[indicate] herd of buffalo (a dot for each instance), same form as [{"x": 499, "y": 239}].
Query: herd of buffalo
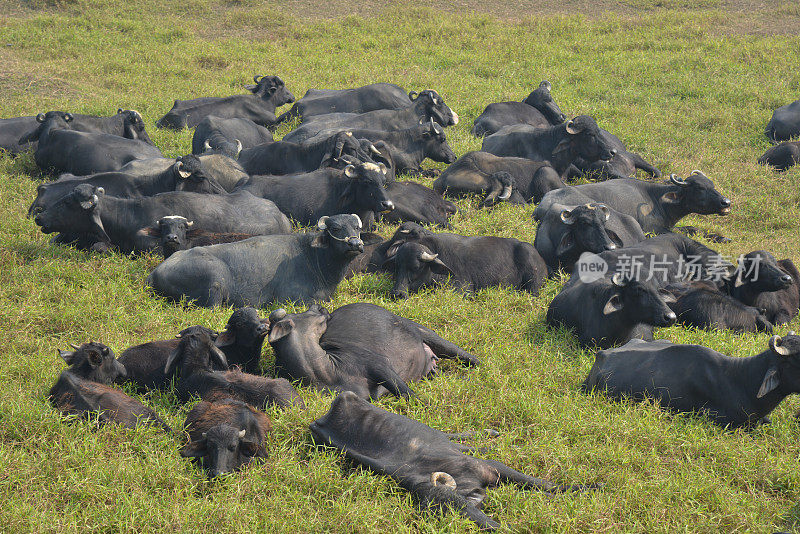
[{"x": 225, "y": 218}]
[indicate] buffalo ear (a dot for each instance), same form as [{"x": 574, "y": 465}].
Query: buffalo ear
[
  {"x": 226, "y": 338},
  {"x": 561, "y": 147},
  {"x": 251, "y": 448},
  {"x": 149, "y": 231},
  {"x": 95, "y": 358},
  {"x": 668, "y": 297},
  {"x": 770, "y": 382},
  {"x": 194, "y": 449},
  {"x": 172, "y": 360},
  {"x": 614, "y": 304},
  {"x": 252, "y": 88},
  {"x": 671, "y": 198},
  {"x": 371, "y": 238},
  {"x": 280, "y": 330},
  {"x": 439, "y": 267}
]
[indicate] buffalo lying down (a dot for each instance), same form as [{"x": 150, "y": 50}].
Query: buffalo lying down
[
  {"x": 702, "y": 305},
  {"x": 538, "y": 110},
  {"x": 738, "y": 392},
  {"x": 782, "y": 156},
  {"x": 83, "y": 388},
  {"x": 197, "y": 359},
  {"x": 785, "y": 123},
  {"x": 421, "y": 459},
  {"x": 510, "y": 179},
  {"x": 241, "y": 342},
  {"x": 264, "y": 269},
  {"x": 359, "y": 347},
  {"x": 225, "y": 435}
]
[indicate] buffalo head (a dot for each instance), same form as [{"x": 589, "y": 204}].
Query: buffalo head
[
  {"x": 94, "y": 361},
  {"x": 196, "y": 351},
  {"x": 431, "y": 106},
  {"x": 696, "y": 194},
  {"x": 133, "y": 125},
  {"x": 365, "y": 189},
  {"x": 584, "y": 230},
  {"x": 77, "y": 212},
  {"x": 639, "y": 302},
  {"x": 271, "y": 89},
  {"x": 414, "y": 267},
  {"x": 191, "y": 176},
  {"x": 436, "y": 147},
  {"x": 224, "y": 449},
  {"x": 541, "y": 99},
  {"x": 583, "y": 138},
  {"x": 342, "y": 233}
]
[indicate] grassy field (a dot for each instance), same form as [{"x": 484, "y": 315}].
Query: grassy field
[{"x": 686, "y": 87}]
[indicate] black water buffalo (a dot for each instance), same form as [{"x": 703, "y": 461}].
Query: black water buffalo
[
  {"x": 83, "y": 389},
  {"x": 785, "y": 123},
  {"x": 262, "y": 270},
  {"x": 285, "y": 157},
  {"x": 409, "y": 147},
  {"x": 374, "y": 255},
  {"x": 241, "y": 343},
  {"x": 112, "y": 221},
  {"x": 657, "y": 207},
  {"x": 508, "y": 179},
  {"x": 474, "y": 262},
  {"x": 358, "y": 189},
  {"x": 359, "y": 347},
  {"x": 195, "y": 359},
  {"x": 762, "y": 281},
  {"x": 185, "y": 174},
  {"x": 225, "y": 435},
  {"x": 665, "y": 259},
  {"x": 609, "y": 312},
  {"x": 416, "y": 203},
  {"x": 424, "y": 108},
  {"x": 622, "y": 165},
  {"x": 218, "y": 167},
  {"x": 419, "y": 458},
  {"x": 782, "y": 156},
  {"x": 15, "y": 133},
  {"x": 559, "y": 145},
  {"x": 538, "y": 110},
  {"x": 356, "y": 100},
  {"x": 228, "y": 136},
  {"x": 178, "y": 233},
  {"x": 566, "y": 232},
  {"x": 269, "y": 93},
  {"x": 735, "y": 392},
  {"x": 63, "y": 149},
  {"x": 702, "y": 305}
]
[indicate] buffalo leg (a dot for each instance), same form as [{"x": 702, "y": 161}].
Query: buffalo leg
[
  {"x": 446, "y": 349},
  {"x": 444, "y": 497},
  {"x": 640, "y": 163}
]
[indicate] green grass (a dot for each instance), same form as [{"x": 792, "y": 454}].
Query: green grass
[{"x": 679, "y": 86}]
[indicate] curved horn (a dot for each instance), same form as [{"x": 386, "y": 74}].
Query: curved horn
[
  {"x": 322, "y": 223},
  {"x": 40, "y": 117},
  {"x": 571, "y": 129},
  {"x": 775, "y": 344},
  {"x": 242, "y": 432},
  {"x": 566, "y": 217},
  {"x": 506, "y": 193},
  {"x": 179, "y": 167},
  {"x": 358, "y": 221},
  {"x": 426, "y": 256},
  {"x": 618, "y": 280},
  {"x": 440, "y": 478},
  {"x": 546, "y": 84},
  {"x": 697, "y": 171},
  {"x": 412, "y": 95},
  {"x": 74, "y": 346},
  {"x": 675, "y": 180},
  {"x": 207, "y": 146},
  {"x": 256, "y": 77},
  {"x": 238, "y": 147}
]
